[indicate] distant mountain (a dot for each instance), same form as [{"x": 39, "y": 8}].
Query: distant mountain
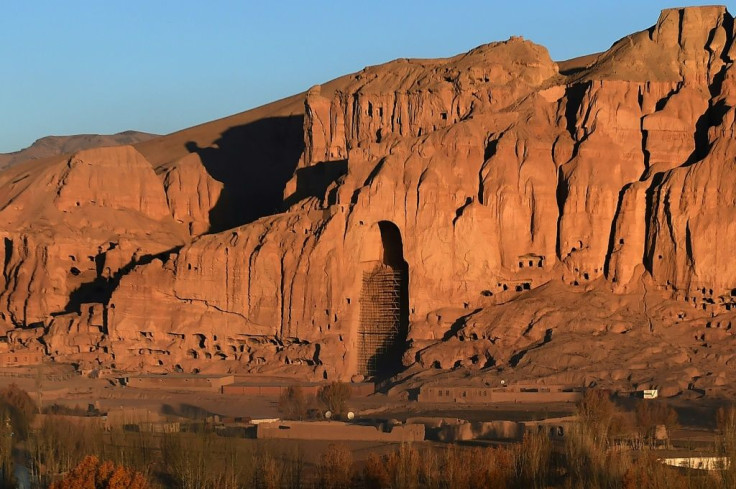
[{"x": 57, "y": 145}]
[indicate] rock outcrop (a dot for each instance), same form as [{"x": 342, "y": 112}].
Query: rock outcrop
[
  {"x": 73, "y": 225},
  {"x": 191, "y": 193},
  {"x": 479, "y": 214},
  {"x": 59, "y": 145}
]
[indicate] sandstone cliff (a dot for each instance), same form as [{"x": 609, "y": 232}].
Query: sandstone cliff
[
  {"x": 486, "y": 215},
  {"x": 58, "y": 145}
]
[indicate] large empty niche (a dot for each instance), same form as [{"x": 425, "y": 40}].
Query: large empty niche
[{"x": 384, "y": 303}]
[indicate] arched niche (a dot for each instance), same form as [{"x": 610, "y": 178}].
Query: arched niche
[
  {"x": 384, "y": 302},
  {"x": 382, "y": 243}
]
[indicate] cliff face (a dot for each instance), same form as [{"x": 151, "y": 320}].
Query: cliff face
[
  {"x": 70, "y": 225},
  {"x": 58, "y": 145},
  {"x": 464, "y": 212}
]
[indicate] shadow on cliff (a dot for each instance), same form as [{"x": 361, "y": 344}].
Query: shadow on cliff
[
  {"x": 253, "y": 161},
  {"x": 315, "y": 180},
  {"x": 101, "y": 288},
  {"x": 711, "y": 118}
]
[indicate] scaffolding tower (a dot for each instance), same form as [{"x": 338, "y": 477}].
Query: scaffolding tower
[{"x": 380, "y": 318}]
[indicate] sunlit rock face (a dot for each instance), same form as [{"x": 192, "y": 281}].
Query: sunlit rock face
[{"x": 462, "y": 213}]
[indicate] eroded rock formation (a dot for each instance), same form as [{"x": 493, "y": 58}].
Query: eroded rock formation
[
  {"x": 58, "y": 145},
  {"x": 483, "y": 214}
]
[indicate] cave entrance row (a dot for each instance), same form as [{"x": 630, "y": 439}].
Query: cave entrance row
[{"x": 384, "y": 306}]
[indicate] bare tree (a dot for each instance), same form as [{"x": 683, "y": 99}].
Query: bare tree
[
  {"x": 292, "y": 403},
  {"x": 335, "y": 397},
  {"x": 336, "y": 468},
  {"x": 650, "y": 414}
]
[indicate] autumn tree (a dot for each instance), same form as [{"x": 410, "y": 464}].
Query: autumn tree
[
  {"x": 90, "y": 473},
  {"x": 6, "y": 447},
  {"x": 375, "y": 473},
  {"x": 404, "y": 466},
  {"x": 648, "y": 472},
  {"x": 336, "y": 468},
  {"x": 726, "y": 443},
  {"x": 268, "y": 473},
  {"x": 650, "y": 414},
  {"x": 17, "y": 411},
  {"x": 20, "y": 408},
  {"x": 598, "y": 415},
  {"x": 533, "y": 459}
]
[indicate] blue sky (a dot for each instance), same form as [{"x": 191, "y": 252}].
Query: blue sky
[{"x": 104, "y": 66}]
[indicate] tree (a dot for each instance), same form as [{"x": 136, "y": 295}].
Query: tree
[
  {"x": 6, "y": 447},
  {"x": 20, "y": 407},
  {"x": 533, "y": 458},
  {"x": 336, "y": 468},
  {"x": 335, "y": 397},
  {"x": 375, "y": 473},
  {"x": 91, "y": 474},
  {"x": 598, "y": 415},
  {"x": 268, "y": 473},
  {"x": 726, "y": 445},
  {"x": 650, "y": 414},
  {"x": 292, "y": 404},
  {"x": 647, "y": 472}
]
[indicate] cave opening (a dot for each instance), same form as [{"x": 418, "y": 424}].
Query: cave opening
[{"x": 384, "y": 305}]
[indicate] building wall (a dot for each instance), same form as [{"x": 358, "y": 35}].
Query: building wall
[
  {"x": 264, "y": 390},
  {"x": 211, "y": 384},
  {"x": 15, "y": 359},
  {"x": 482, "y": 395},
  {"x": 333, "y": 430},
  {"x": 359, "y": 389},
  {"x": 116, "y": 418},
  {"x": 487, "y": 430}
]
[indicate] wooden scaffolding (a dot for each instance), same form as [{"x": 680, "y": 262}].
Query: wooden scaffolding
[{"x": 380, "y": 318}]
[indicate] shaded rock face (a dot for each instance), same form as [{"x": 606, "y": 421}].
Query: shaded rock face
[{"x": 519, "y": 217}]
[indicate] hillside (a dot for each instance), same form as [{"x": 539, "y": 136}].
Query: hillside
[
  {"x": 58, "y": 145},
  {"x": 493, "y": 215}
]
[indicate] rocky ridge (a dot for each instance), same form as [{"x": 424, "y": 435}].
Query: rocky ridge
[
  {"x": 58, "y": 145},
  {"x": 570, "y": 227}
]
